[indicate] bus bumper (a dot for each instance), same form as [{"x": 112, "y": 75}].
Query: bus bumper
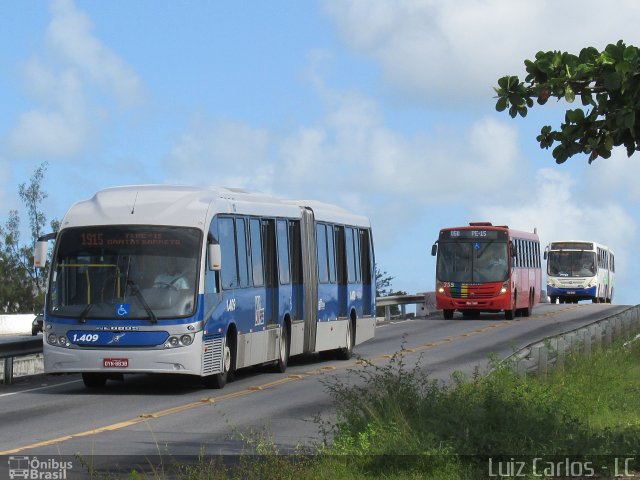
[
  {"x": 573, "y": 293},
  {"x": 183, "y": 360},
  {"x": 494, "y": 304}
]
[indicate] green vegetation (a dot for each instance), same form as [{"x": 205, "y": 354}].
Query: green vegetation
[
  {"x": 23, "y": 286},
  {"x": 607, "y": 84},
  {"x": 397, "y": 423},
  {"x": 588, "y": 412}
]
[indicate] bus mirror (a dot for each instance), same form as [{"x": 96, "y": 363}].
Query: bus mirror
[
  {"x": 544, "y": 255},
  {"x": 434, "y": 249},
  {"x": 40, "y": 254},
  {"x": 214, "y": 256}
]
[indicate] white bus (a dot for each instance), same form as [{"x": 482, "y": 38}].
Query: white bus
[
  {"x": 203, "y": 281},
  {"x": 579, "y": 270}
]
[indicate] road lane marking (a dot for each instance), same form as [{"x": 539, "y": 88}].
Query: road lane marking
[
  {"x": 38, "y": 388},
  {"x": 144, "y": 417}
]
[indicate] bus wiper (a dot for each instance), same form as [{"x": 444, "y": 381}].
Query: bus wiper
[
  {"x": 85, "y": 311},
  {"x": 135, "y": 290}
]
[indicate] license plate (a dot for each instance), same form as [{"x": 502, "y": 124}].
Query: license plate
[
  {"x": 571, "y": 293},
  {"x": 472, "y": 303},
  {"x": 115, "y": 362}
]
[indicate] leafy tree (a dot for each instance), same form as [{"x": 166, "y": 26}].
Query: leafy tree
[
  {"x": 23, "y": 287},
  {"x": 383, "y": 283},
  {"x": 608, "y": 86},
  {"x": 383, "y": 289}
]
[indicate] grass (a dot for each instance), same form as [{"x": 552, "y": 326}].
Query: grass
[
  {"x": 397, "y": 423},
  {"x": 588, "y": 412}
]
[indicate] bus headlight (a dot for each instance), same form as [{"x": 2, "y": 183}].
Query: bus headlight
[
  {"x": 62, "y": 341},
  {"x": 505, "y": 288},
  {"x": 181, "y": 341},
  {"x": 52, "y": 339},
  {"x": 439, "y": 287}
]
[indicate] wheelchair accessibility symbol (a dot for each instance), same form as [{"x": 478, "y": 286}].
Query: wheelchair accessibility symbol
[{"x": 122, "y": 310}]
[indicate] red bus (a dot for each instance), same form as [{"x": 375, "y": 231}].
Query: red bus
[{"x": 487, "y": 268}]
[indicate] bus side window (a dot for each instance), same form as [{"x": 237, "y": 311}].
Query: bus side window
[
  {"x": 331, "y": 254},
  {"x": 365, "y": 257},
  {"x": 341, "y": 260},
  {"x": 351, "y": 260},
  {"x": 321, "y": 247},
  {"x": 241, "y": 248},
  {"x": 283, "y": 252},
  {"x": 295, "y": 249},
  {"x": 256, "y": 252},
  {"x": 229, "y": 269}
]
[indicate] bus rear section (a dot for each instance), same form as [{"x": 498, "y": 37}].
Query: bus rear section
[{"x": 486, "y": 268}]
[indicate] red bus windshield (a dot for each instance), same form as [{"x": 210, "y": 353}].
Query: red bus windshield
[{"x": 476, "y": 261}]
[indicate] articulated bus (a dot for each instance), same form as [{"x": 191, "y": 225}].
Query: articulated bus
[
  {"x": 579, "y": 270},
  {"x": 487, "y": 268},
  {"x": 203, "y": 281}
]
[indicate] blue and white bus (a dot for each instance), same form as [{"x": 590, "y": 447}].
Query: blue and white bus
[
  {"x": 203, "y": 281},
  {"x": 580, "y": 270}
]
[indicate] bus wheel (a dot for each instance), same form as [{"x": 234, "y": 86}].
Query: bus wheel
[
  {"x": 346, "y": 352},
  {"x": 526, "y": 312},
  {"x": 447, "y": 314},
  {"x": 283, "y": 352},
  {"x": 94, "y": 380},
  {"x": 511, "y": 313},
  {"x": 219, "y": 380}
]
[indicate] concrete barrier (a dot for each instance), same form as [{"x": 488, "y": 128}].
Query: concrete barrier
[{"x": 16, "y": 324}]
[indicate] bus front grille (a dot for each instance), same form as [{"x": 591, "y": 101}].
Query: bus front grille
[{"x": 474, "y": 291}]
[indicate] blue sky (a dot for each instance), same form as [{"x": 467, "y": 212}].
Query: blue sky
[{"x": 385, "y": 107}]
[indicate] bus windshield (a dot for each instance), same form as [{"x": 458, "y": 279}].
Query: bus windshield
[
  {"x": 472, "y": 262},
  {"x": 125, "y": 272},
  {"x": 571, "y": 264}
]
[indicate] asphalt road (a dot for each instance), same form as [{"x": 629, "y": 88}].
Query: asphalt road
[{"x": 147, "y": 415}]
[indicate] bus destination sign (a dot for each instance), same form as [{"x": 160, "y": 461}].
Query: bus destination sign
[{"x": 476, "y": 234}]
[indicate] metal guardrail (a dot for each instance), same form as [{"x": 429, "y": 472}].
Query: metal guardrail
[
  {"x": 424, "y": 299},
  {"x": 552, "y": 351},
  {"x": 17, "y": 348}
]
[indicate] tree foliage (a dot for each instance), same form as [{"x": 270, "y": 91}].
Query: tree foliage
[
  {"x": 23, "y": 286},
  {"x": 383, "y": 283},
  {"x": 606, "y": 83}
]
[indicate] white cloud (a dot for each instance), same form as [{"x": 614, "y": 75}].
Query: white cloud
[
  {"x": 616, "y": 176},
  {"x": 70, "y": 37},
  {"x": 439, "y": 50},
  {"x": 60, "y": 82},
  {"x": 558, "y": 214},
  {"x": 222, "y": 153},
  {"x": 60, "y": 127}
]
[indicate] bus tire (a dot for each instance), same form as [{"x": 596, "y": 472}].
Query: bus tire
[
  {"x": 447, "y": 314},
  {"x": 346, "y": 353},
  {"x": 509, "y": 314},
  {"x": 283, "y": 352},
  {"x": 526, "y": 312},
  {"x": 94, "y": 380}
]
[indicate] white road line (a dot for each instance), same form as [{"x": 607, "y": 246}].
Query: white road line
[{"x": 38, "y": 388}]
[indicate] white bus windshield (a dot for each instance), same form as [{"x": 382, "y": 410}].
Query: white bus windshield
[
  {"x": 472, "y": 262},
  {"x": 571, "y": 264},
  {"x": 125, "y": 272}
]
